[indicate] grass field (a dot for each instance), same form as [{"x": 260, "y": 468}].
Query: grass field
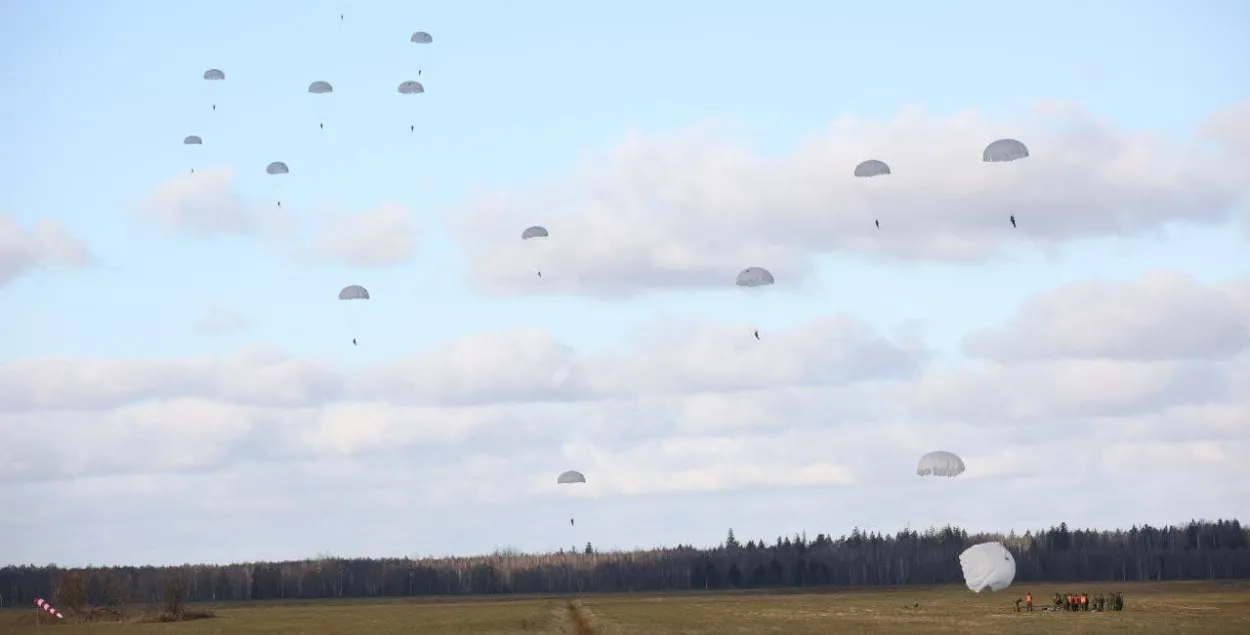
[{"x": 1174, "y": 608}]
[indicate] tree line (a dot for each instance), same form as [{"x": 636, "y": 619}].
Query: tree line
[{"x": 1201, "y": 550}]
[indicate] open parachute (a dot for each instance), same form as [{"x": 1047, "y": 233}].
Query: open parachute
[
  {"x": 987, "y": 566},
  {"x": 940, "y": 463},
  {"x": 569, "y": 477}
]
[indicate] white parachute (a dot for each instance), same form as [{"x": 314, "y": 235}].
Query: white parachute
[{"x": 987, "y": 566}]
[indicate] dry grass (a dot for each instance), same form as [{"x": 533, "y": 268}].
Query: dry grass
[{"x": 1151, "y": 609}]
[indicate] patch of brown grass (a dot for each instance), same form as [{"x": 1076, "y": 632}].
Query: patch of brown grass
[{"x": 1151, "y": 609}]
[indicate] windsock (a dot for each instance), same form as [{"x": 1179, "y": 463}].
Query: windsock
[{"x": 48, "y": 607}]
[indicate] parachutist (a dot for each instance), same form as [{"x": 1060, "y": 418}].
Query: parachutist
[
  {"x": 418, "y": 72},
  {"x": 214, "y": 107},
  {"x": 412, "y": 128},
  {"x": 1013, "y": 221},
  {"x": 353, "y": 341},
  {"x": 878, "y": 224},
  {"x": 571, "y": 523},
  {"x": 279, "y": 203},
  {"x": 540, "y": 274},
  {"x": 757, "y": 334},
  {"x": 322, "y": 126},
  {"x": 192, "y": 170}
]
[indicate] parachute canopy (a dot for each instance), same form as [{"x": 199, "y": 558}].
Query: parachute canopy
[
  {"x": 1004, "y": 150},
  {"x": 320, "y": 88},
  {"x": 354, "y": 292},
  {"x": 277, "y": 167},
  {"x": 537, "y": 231},
  {"x": 192, "y": 140},
  {"x": 214, "y": 75},
  {"x": 872, "y": 167},
  {"x": 571, "y": 476},
  {"x": 940, "y": 463},
  {"x": 411, "y": 88},
  {"x": 421, "y": 37},
  {"x": 755, "y": 277},
  {"x": 987, "y": 566}
]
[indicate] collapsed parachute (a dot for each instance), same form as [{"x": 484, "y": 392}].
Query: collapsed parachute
[
  {"x": 987, "y": 565},
  {"x": 940, "y": 463}
]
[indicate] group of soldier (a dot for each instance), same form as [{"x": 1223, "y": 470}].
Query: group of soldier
[{"x": 1078, "y": 602}]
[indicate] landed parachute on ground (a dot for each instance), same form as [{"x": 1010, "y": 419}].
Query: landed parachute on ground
[
  {"x": 940, "y": 463},
  {"x": 987, "y": 566}
]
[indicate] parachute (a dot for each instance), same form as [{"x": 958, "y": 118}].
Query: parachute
[
  {"x": 214, "y": 75},
  {"x": 755, "y": 277},
  {"x": 320, "y": 88},
  {"x": 353, "y": 292},
  {"x": 752, "y": 278},
  {"x": 940, "y": 463},
  {"x": 1004, "y": 150},
  {"x": 421, "y": 37},
  {"x": 869, "y": 169},
  {"x": 411, "y": 88},
  {"x": 569, "y": 477},
  {"x": 277, "y": 168},
  {"x": 987, "y": 565},
  {"x": 531, "y": 233},
  {"x": 192, "y": 140}
]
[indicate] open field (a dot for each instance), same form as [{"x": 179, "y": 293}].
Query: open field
[{"x": 1170, "y": 608}]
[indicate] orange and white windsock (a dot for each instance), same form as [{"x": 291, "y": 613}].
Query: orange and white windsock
[{"x": 48, "y": 607}]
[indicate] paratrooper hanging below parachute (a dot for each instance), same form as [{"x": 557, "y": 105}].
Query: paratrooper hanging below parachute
[
  {"x": 354, "y": 292},
  {"x": 275, "y": 169},
  {"x": 869, "y": 169},
  {"x": 1005, "y": 151},
  {"x": 192, "y": 140},
  {"x": 754, "y": 277},
  {"x": 411, "y": 88},
  {"x": 535, "y": 232},
  {"x": 214, "y": 75},
  {"x": 320, "y": 88}
]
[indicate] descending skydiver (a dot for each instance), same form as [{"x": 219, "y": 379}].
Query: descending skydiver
[
  {"x": 353, "y": 341},
  {"x": 322, "y": 126},
  {"x": 214, "y": 107},
  {"x": 540, "y": 274},
  {"x": 1013, "y": 220},
  {"x": 878, "y": 224},
  {"x": 571, "y": 523},
  {"x": 757, "y": 334},
  {"x": 412, "y": 128}
]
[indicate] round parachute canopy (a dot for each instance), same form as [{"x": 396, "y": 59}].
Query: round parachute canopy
[
  {"x": 192, "y": 140},
  {"x": 354, "y": 292},
  {"x": 411, "y": 88},
  {"x": 755, "y": 277},
  {"x": 320, "y": 88},
  {"x": 1004, "y": 150},
  {"x": 421, "y": 37},
  {"x": 571, "y": 476},
  {"x": 940, "y": 463},
  {"x": 872, "y": 167},
  {"x": 987, "y": 566},
  {"x": 537, "y": 231},
  {"x": 214, "y": 75},
  {"x": 277, "y": 167}
]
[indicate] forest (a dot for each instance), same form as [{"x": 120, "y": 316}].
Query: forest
[{"x": 1200, "y": 550}]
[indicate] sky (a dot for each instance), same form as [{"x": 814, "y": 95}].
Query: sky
[{"x": 179, "y": 383}]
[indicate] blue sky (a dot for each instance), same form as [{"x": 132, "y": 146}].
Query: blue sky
[{"x": 99, "y": 95}]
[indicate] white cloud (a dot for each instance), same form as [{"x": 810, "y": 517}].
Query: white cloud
[
  {"x": 206, "y": 203},
  {"x": 829, "y": 415},
  {"x": 45, "y": 244},
  {"x": 221, "y": 320},
  {"x": 383, "y": 237},
  {"x": 1162, "y": 315},
  {"x": 690, "y": 210}
]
